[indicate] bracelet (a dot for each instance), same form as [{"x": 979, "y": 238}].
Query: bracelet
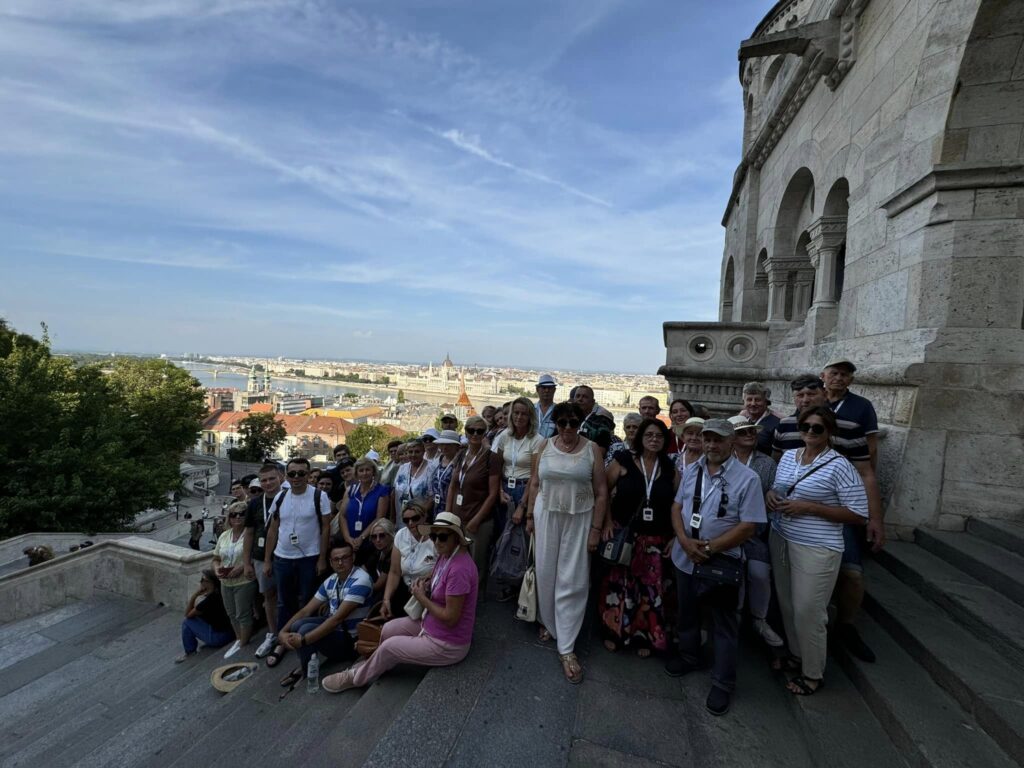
[{"x": 593, "y": 527}]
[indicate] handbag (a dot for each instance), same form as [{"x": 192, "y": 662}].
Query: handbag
[
  {"x": 719, "y": 570},
  {"x": 618, "y": 550},
  {"x": 414, "y": 608},
  {"x": 510, "y": 559},
  {"x": 368, "y": 631},
  {"x": 526, "y": 608}
]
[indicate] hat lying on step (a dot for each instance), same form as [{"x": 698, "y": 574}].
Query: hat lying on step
[{"x": 225, "y": 679}]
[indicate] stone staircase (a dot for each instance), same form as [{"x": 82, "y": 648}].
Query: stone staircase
[{"x": 945, "y": 616}]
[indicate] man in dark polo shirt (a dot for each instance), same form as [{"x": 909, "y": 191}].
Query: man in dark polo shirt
[
  {"x": 257, "y": 518},
  {"x": 808, "y": 391},
  {"x": 857, "y": 440}
]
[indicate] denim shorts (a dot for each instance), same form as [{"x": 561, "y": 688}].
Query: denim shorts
[{"x": 853, "y": 547}]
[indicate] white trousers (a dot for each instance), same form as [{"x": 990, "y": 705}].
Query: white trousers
[{"x": 563, "y": 573}]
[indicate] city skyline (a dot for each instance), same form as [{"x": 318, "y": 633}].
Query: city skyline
[{"x": 505, "y": 176}]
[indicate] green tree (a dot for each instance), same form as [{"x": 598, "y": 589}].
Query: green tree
[
  {"x": 367, "y": 436},
  {"x": 261, "y": 434},
  {"x": 401, "y": 396},
  {"x": 84, "y": 451}
]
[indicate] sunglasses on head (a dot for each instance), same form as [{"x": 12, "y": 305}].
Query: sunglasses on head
[
  {"x": 442, "y": 537},
  {"x": 413, "y": 519},
  {"x": 475, "y": 431},
  {"x": 817, "y": 429},
  {"x": 297, "y": 473},
  {"x": 570, "y": 423}
]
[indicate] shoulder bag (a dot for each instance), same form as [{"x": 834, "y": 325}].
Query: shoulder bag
[
  {"x": 526, "y": 608},
  {"x": 719, "y": 570},
  {"x": 368, "y": 631}
]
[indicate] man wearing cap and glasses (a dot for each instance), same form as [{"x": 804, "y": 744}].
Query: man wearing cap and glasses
[
  {"x": 717, "y": 508},
  {"x": 857, "y": 440},
  {"x": 297, "y": 537},
  {"x": 449, "y": 600},
  {"x": 546, "y": 387}
]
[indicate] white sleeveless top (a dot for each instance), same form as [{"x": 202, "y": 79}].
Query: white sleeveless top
[
  {"x": 418, "y": 557},
  {"x": 567, "y": 479}
]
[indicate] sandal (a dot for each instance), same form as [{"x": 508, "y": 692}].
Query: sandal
[
  {"x": 292, "y": 678},
  {"x": 802, "y": 688},
  {"x": 571, "y": 667},
  {"x": 643, "y": 653},
  {"x": 786, "y": 664},
  {"x": 610, "y": 646},
  {"x": 275, "y": 656},
  {"x": 543, "y": 635}
]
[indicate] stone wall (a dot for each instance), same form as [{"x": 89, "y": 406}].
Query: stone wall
[{"x": 878, "y": 214}]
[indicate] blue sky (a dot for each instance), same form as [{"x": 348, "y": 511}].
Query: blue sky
[{"x": 528, "y": 183}]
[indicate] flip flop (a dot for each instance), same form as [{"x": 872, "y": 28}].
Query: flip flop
[
  {"x": 275, "y": 656},
  {"x": 802, "y": 687},
  {"x": 543, "y": 635},
  {"x": 292, "y": 678}
]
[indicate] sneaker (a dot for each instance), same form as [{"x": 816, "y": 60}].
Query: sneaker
[
  {"x": 266, "y": 646},
  {"x": 767, "y": 633},
  {"x": 852, "y": 641},
  {"x": 182, "y": 657},
  {"x": 235, "y": 648},
  {"x": 676, "y": 667},
  {"x": 718, "y": 701}
]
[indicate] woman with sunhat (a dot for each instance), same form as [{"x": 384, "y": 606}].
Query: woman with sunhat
[{"x": 448, "y": 598}]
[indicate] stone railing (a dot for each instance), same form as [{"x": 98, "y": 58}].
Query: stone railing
[{"x": 132, "y": 566}]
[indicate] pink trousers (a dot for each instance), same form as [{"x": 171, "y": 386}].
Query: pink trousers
[{"x": 402, "y": 643}]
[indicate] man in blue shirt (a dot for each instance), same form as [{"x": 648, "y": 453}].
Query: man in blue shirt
[
  {"x": 545, "y": 404},
  {"x": 857, "y": 440},
  {"x": 729, "y": 505}
]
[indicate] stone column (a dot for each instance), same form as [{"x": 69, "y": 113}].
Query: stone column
[
  {"x": 828, "y": 234},
  {"x": 776, "y": 296},
  {"x": 802, "y": 293}
]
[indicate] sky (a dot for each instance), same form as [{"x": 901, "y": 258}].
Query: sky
[{"x": 537, "y": 183}]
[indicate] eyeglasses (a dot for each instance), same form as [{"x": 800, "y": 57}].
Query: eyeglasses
[
  {"x": 236, "y": 514},
  {"x": 411, "y": 520},
  {"x": 442, "y": 537},
  {"x": 653, "y": 436},
  {"x": 427, "y": 439},
  {"x": 341, "y": 558},
  {"x": 378, "y": 536},
  {"x": 570, "y": 423},
  {"x": 817, "y": 429},
  {"x": 471, "y": 431},
  {"x": 297, "y": 473}
]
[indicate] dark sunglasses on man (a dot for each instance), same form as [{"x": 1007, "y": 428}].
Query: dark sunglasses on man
[{"x": 297, "y": 473}]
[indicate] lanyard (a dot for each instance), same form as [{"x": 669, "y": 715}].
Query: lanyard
[
  {"x": 515, "y": 452},
  {"x": 359, "y": 497},
  {"x": 466, "y": 467},
  {"x": 649, "y": 483},
  {"x": 837, "y": 406},
  {"x": 266, "y": 517},
  {"x": 440, "y": 572}
]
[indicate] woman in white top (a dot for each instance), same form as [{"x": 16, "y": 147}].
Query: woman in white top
[
  {"x": 237, "y": 590},
  {"x": 412, "y": 557},
  {"x": 568, "y": 497},
  {"x": 413, "y": 478},
  {"x": 816, "y": 491},
  {"x": 515, "y": 447},
  {"x": 692, "y": 441}
]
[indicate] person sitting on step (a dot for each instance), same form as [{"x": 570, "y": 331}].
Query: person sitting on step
[{"x": 205, "y": 618}]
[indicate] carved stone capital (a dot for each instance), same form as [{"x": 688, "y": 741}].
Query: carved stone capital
[{"x": 827, "y": 232}]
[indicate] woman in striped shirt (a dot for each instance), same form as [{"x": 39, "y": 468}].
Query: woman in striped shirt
[{"x": 816, "y": 491}]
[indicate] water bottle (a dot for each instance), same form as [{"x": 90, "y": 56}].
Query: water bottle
[{"x": 313, "y": 674}]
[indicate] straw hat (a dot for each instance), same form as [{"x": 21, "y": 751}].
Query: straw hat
[
  {"x": 446, "y": 522},
  {"x": 225, "y": 679}
]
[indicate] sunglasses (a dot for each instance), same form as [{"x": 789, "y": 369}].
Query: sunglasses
[
  {"x": 236, "y": 514},
  {"x": 255, "y": 490},
  {"x": 378, "y": 536},
  {"x": 817, "y": 429},
  {"x": 570, "y": 423},
  {"x": 427, "y": 439},
  {"x": 475, "y": 431},
  {"x": 442, "y": 537},
  {"x": 297, "y": 473},
  {"x": 411, "y": 520}
]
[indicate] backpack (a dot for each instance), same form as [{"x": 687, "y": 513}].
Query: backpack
[{"x": 316, "y": 504}]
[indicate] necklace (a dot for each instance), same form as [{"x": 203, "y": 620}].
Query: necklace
[{"x": 566, "y": 447}]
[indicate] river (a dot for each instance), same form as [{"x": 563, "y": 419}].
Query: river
[{"x": 204, "y": 373}]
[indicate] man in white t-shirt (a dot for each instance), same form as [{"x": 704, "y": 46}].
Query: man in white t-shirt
[{"x": 297, "y": 536}]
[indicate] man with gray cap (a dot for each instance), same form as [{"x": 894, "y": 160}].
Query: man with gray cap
[
  {"x": 718, "y": 507},
  {"x": 756, "y": 399},
  {"x": 545, "y": 404}
]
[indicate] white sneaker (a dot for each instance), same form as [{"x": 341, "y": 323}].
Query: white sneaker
[
  {"x": 266, "y": 646},
  {"x": 235, "y": 648},
  {"x": 767, "y": 633}
]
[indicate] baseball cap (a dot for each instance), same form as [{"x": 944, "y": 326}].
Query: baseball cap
[
  {"x": 721, "y": 427},
  {"x": 841, "y": 362},
  {"x": 255, "y": 483}
]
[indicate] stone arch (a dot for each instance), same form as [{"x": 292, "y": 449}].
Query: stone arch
[
  {"x": 772, "y": 73},
  {"x": 790, "y": 272},
  {"x": 728, "y": 290}
]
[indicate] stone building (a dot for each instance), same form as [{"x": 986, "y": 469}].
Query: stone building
[{"x": 878, "y": 213}]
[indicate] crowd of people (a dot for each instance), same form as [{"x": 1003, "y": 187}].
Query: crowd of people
[{"x": 681, "y": 529}]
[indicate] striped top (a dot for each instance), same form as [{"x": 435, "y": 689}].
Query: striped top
[
  {"x": 835, "y": 485},
  {"x": 355, "y": 589}
]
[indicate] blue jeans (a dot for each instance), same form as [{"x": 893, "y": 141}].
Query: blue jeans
[
  {"x": 194, "y": 630},
  {"x": 296, "y": 583},
  {"x": 501, "y": 511},
  {"x": 725, "y": 625},
  {"x": 337, "y": 646}
]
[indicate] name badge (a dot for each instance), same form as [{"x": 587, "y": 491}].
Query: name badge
[
  {"x": 358, "y": 526},
  {"x": 261, "y": 542},
  {"x": 695, "y": 519},
  {"x": 648, "y": 514},
  {"x": 437, "y": 499},
  {"x": 511, "y": 482},
  {"x": 294, "y": 539},
  {"x": 458, "y": 499}
]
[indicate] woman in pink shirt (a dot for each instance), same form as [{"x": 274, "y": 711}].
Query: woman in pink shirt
[{"x": 448, "y": 598}]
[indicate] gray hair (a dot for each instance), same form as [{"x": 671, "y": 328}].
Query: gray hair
[
  {"x": 632, "y": 418},
  {"x": 757, "y": 388}
]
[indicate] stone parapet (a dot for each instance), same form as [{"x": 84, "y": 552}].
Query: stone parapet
[{"x": 133, "y": 567}]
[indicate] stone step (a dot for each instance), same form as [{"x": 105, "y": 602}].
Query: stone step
[
  {"x": 1004, "y": 533},
  {"x": 926, "y": 724},
  {"x": 992, "y": 617},
  {"x": 999, "y": 568},
  {"x": 840, "y": 730},
  {"x": 985, "y": 683}
]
